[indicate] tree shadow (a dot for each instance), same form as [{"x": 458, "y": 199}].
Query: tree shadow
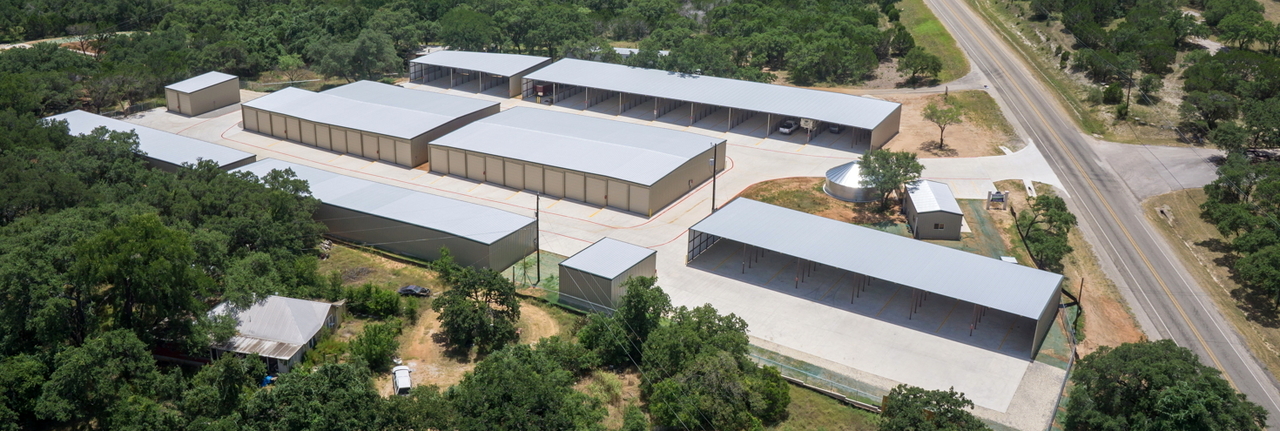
[
  {"x": 917, "y": 82},
  {"x": 458, "y": 353},
  {"x": 1258, "y": 306},
  {"x": 939, "y": 149},
  {"x": 1216, "y": 245}
]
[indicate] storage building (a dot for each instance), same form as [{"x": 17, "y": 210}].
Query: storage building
[
  {"x": 932, "y": 211},
  {"x": 491, "y": 69},
  {"x": 368, "y": 119},
  {"x": 163, "y": 150},
  {"x": 280, "y": 330},
  {"x": 203, "y": 93},
  {"x": 593, "y": 279},
  {"x": 413, "y": 223},
  {"x": 602, "y": 162}
]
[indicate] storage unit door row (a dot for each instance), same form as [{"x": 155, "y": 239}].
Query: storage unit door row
[
  {"x": 520, "y": 175},
  {"x": 342, "y": 140}
]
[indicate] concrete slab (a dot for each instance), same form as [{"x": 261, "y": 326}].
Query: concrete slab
[
  {"x": 1155, "y": 170},
  {"x": 973, "y": 177}
]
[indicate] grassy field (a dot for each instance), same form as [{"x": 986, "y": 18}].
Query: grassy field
[
  {"x": 811, "y": 411},
  {"x": 980, "y": 109},
  {"x": 359, "y": 267},
  {"x": 933, "y": 37}
]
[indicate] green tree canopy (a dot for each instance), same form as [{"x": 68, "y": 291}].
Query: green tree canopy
[
  {"x": 889, "y": 171},
  {"x": 943, "y": 117},
  {"x": 377, "y": 345},
  {"x": 618, "y": 339},
  {"x": 908, "y": 408},
  {"x": 333, "y": 397},
  {"x": 918, "y": 62},
  {"x": 480, "y": 308},
  {"x": 518, "y": 388},
  {"x": 1045, "y": 227}
]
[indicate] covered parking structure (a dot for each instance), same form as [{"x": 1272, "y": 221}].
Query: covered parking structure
[
  {"x": 873, "y": 122},
  {"x": 368, "y": 119},
  {"x": 872, "y": 265},
  {"x": 490, "y": 69},
  {"x": 413, "y": 223},
  {"x": 631, "y": 167},
  {"x": 163, "y": 150}
]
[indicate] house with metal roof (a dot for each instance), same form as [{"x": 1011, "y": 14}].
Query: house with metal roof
[
  {"x": 457, "y": 69},
  {"x": 873, "y": 121},
  {"x": 410, "y": 222},
  {"x": 371, "y": 120},
  {"x": 627, "y": 166},
  {"x": 932, "y": 211},
  {"x": 593, "y": 279},
  {"x": 281, "y": 330},
  {"x": 871, "y": 258},
  {"x": 203, "y": 93},
  {"x": 163, "y": 150}
]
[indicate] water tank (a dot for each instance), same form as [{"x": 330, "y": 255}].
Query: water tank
[{"x": 844, "y": 183}]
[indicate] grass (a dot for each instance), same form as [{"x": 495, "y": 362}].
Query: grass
[
  {"x": 811, "y": 200},
  {"x": 812, "y": 411},
  {"x": 934, "y": 38},
  {"x": 359, "y": 267},
  {"x": 980, "y": 109}
]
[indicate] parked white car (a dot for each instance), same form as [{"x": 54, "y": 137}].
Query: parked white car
[
  {"x": 787, "y": 127},
  {"x": 400, "y": 379}
]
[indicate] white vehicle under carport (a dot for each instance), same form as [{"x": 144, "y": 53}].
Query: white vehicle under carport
[
  {"x": 400, "y": 380},
  {"x": 788, "y": 127}
]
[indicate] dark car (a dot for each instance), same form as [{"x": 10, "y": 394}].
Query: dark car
[
  {"x": 835, "y": 129},
  {"x": 414, "y": 290},
  {"x": 787, "y": 127}
]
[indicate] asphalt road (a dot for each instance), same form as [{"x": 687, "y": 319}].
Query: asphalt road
[{"x": 1173, "y": 304}]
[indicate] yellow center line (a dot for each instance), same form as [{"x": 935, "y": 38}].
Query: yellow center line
[
  {"x": 419, "y": 176},
  {"x": 437, "y": 179},
  {"x": 335, "y": 158},
  {"x": 1110, "y": 211},
  {"x": 944, "y": 319},
  {"x": 890, "y": 301}
]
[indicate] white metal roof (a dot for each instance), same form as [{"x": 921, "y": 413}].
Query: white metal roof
[
  {"x": 275, "y": 326},
  {"x": 426, "y": 101},
  {"x": 349, "y": 113},
  {"x": 200, "y": 82},
  {"x": 158, "y": 145},
  {"x": 863, "y": 112},
  {"x": 630, "y": 152},
  {"x": 463, "y": 219},
  {"x": 957, "y": 274},
  {"x": 488, "y": 62},
  {"x": 608, "y": 258},
  {"x": 930, "y": 196},
  {"x": 627, "y": 52}
]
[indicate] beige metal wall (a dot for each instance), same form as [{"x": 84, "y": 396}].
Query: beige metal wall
[
  {"x": 424, "y": 243},
  {"x": 645, "y": 268},
  {"x": 887, "y": 129},
  {"x": 204, "y": 100},
  {"x": 922, "y": 224},
  {"x": 591, "y": 292},
  {"x": 685, "y": 178}
]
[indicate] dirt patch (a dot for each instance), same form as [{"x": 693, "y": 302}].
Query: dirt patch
[
  {"x": 805, "y": 194},
  {"x": 535, "y": 323},
  {"x": 967, "y": 139}
]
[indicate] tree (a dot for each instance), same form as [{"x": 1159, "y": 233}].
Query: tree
[
  {"x": 369, "y": 56},
  {"x": 465, "y": 29},
  {"x": 1114, "y": 94},
  {"x": 1148, "y": 86},
  {"x": 349, "y": 401},
  {"x": 290, "y": 66},
  {"x": 220, "y": 388},
  {"x": 96, "y": 381},
  {"x": 617, "y": 339},
  {"x": 918, "y": 62},
  {"x": 908, "y": 408},
  {"x": 1208, "y": 108},
  {"x": 21, "y": 377},
  {"x": 1045, "y": 227},
  {"x": 943, "y": 117},
  {"x": 691, "y": 333},
  {"x": 1260, "y": 270},
  {"x": 889, "y": 171},
  {"x": 1262, "y": 121},
  {"x": 518, "y": 388},
  {"x": 377, "y": 345},
  {"x": 479, "y": 309},
  {"x": 635, "y": 420},
  {"x": 1155, "y": 385},
  {"x": 903, "y": 42}
]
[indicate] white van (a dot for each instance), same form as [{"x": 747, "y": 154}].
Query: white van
[{"x": 400, "y": 379}]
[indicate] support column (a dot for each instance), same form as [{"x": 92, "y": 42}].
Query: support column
[
  {"x": 768, "y": 125},
  {"x": 450, "y": 78}
]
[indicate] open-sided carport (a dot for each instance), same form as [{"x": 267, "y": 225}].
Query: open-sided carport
[
  {"x": 872, "y": 122},
  {"x": 491, "y": 69},
  {"x": 413, "y": 223},
  {"x": 876, "y": 264},
  {"x": 631, "y": 167},
  {"x": 367, "y": 119},
  {"x": 163, "y": 150}
]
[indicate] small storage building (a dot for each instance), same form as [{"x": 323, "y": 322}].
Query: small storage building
[
  {"x": 203, "y": 93},
  {"x": 281, "y": 330},
  {"x": 932, "y": 211},
  {"x": 163, "y": 150},
  {"x": 844, "y": 182},
  {"x": 593, "y": 279},
  {"x": 368, "y": 119},
  {"x": 602, "y": 162},
  {"x": 490, "y": 68},
  {"x": 413, "y": 223}
]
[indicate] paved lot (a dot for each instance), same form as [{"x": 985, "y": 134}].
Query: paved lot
[{"x": 1155, "y": 170}]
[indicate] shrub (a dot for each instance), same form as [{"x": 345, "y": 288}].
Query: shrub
[
  {"x": 370, "y": 300},
  {"x": 571, "y": 356},
  {"x": 1113, "y": 94},
  {"x": 377, "y": 345}
]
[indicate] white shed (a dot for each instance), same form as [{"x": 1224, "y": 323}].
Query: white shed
[
  {"x": 932, "y": 211},
  {"x": 203, "y": 93},
  {"x": 593, "y": 279}
]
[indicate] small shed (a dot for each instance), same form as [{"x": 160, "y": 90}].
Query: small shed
[
  {"x": 203, "y": 93},
  {"x": 281, "y": 330},
  {"x": 844, "y": 182},
  {"x": 593, "y": 279},
  {"x": 932, "y": 211}
]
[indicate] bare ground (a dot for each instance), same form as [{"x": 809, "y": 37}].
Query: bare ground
[{"x": 966, "y": 139}]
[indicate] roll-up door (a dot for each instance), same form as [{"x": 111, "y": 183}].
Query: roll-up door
[
  {"x": 597, "y": 189},
  {"x": 439, "y": 160},
  {"x": 353, "y": 143},
  {"x": 514, "y": 175},
  {"x": 475, "y": 167},
  {"x": 250, "y": 118},
  {"x": 617, "y": 196},
  {"x": 292, "y": 129},
  {"x": 640, "y": 200},
  {"x": 338, "y": 138},
  {"x": 264, "y": 122},
  {"x": 403, "y": 155},
  {"x": 575, "y": 186},
  {"x": 387, "y": 149},
  {"x": 554, "y": 184},
  {"x": 458, "y": 163},
  {"x": 533, "y": 178},
  {"x": 370, "y": 146},
  {"x": 322, "y": 137},
  {"x": 308, "y": 133},
  {"x": 494, "y": 168},
  {"x": 277, "y": 126}
]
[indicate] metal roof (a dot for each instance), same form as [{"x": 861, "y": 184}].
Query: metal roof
[
  {"x": 400, "y": 97},
  {"x": 848, "y": 174},
  {"x": 863, "y": 112},
  {"x": 608, "y": 258},
  {"x": 957, "y": 274},
  {"x": 276, "y": 326},
  {"x": 930, "y": 196},
  {"x": 451, "y": 216},
  {"x": 630, "y": 152},
  {"x": 627, "y": 52},
  {"x": 159, "y": 145},
  {"x": 488, "y": 62},
  {"x": 200, "y": 82},
  {"x": 349, "y": 113}
]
